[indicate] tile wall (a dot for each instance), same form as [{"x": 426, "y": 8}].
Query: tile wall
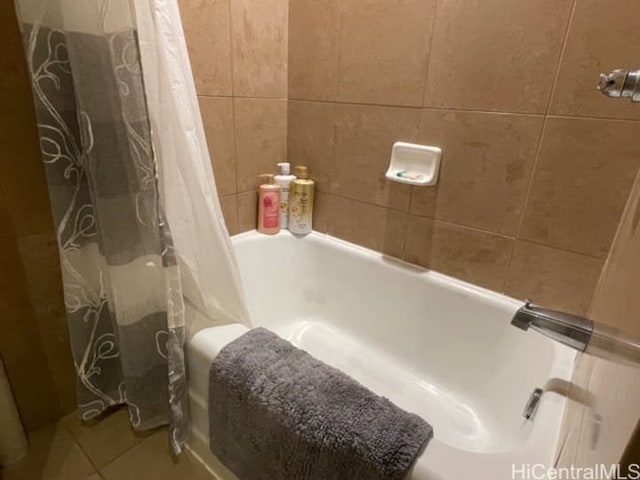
[
  {"x": 33, "y": 332},
  {"x": 238, "y": 51},
  {"x": 537, "y": 165}
]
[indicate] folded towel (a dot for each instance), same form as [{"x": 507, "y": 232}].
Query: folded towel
[{"x": 277, "y": 413}]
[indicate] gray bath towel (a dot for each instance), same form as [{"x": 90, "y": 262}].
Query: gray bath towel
[{"x": 277, "y": 413}]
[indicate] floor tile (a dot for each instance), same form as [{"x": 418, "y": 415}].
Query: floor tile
[
  {"x": 151, "y": 460},
  {"x": 103, "y": 440},
  {"x": 53, "y": 455}
]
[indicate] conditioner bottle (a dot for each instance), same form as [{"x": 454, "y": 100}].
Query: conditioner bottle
[
  {"x": 268, "y": 206},
  {"x": 301, "y": 202}
]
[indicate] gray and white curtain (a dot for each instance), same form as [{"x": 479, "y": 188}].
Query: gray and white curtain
[{"x": 122, "y": 270}]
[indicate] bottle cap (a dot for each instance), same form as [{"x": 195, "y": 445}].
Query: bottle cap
[
  {"x": 268, "y": 178},
  {"x": 302, "y": 171},
  {"x": 284, "y": 168}
]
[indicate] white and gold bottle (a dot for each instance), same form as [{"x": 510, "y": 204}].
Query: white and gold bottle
[
  {"x": 301, "y": 202},
  {"x": 284, "y": 179}
]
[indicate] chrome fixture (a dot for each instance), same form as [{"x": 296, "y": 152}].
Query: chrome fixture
[
  {"x": 570, "y": 330},
  {"x": 531, "y": 407},
  {"x": 621, "y": 83},
  {"x": 579, "y": 333}
]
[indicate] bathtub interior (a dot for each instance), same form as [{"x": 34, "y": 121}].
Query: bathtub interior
[{"x": 435, "y": 346}]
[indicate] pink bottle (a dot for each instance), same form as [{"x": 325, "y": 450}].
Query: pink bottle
[{"x": 268, "y": 206}]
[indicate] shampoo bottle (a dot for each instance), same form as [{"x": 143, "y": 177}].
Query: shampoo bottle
[
  {"x": 284, "y": 179},
  {"x": 301, "y": 202},
  {"x": 268, "y": 206}
]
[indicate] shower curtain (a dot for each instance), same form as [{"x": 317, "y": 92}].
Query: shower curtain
[{"x": 137, "y": 216}]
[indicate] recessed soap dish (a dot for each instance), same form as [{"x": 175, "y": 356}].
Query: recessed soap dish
[{"x": 414, "y": 164}]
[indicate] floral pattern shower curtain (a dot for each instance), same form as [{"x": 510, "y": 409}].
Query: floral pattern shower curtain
[{"x": 121, "y": 280}]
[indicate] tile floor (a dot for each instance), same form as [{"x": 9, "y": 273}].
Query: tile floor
[{"x": 105, "y": 450}]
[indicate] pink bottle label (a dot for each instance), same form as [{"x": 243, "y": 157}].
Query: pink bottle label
[{"x": 271, "y": 212}]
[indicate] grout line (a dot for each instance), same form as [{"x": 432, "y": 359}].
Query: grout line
[
  {"x": 467, "y": 110},
  {"x": 343, "y": 102},
  {"x": 404, "y": 237},
  {"x": 231, "y": 45},
  {"x": 593, "y": 118},
  {"x": 512, "y": 251},
  {"x": 235, "y": 145},
  {"x": 527, "y": 196},
  {"x": 336, "y": 93},
  {"x": 244, "y": 97},
  {"x": 251, "y": 190},
  {"x": 88, "y": 457},
  {"x": 84, "y": 452},
  {"x": 332, "y": 161},
  {"x": 480, "y": 230},
  {"x": 525, "y": 200},
  {"x": 426, "y": 73},
  {"x": 141, "y": 437},
  {"x": 286, "y": 30},
  {"x": 233, "y": 108},
  {"x": 563, "y": 49}
]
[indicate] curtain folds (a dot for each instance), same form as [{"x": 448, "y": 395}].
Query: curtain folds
[{"x": 122, "y": 227}]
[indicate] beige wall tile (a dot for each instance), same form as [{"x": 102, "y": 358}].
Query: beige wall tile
[
  {"x": 615, "y": 298},
  {"x": 615, "y": 303},
  {"x": 553, "y": 278},
  {"x": 6, "y": 228},
  {"x": 207, "y": 30},
  {"x": 39, "y": 254},
  {"x": 581, "y": 183},
  {"x": 20, "y": 159},
  {"x": 259, "y": 35},
  {"x": 384, "y": 47},
  {"x": 395, "y": 233},
  {"x": 471, "y": 255},
  {"x": 217, "y": 117},
  {"x": 499, "y": 55},
  {"x": 21, "y": 162},
  {"x": 418, "y": 245},
  {"x": 247, "y": 211},
  {"x": 357, "y": 222},
  {"x": 310, "y": 140},
  {"x": 594, "y": 45},
  {"x": 313, "y": 50},
  {"x": 25, "y": 212},
  {"x": 30, "y": 212},
  {"x": 364, "y": 136},
  {"x": 20, "y": 343},
  {"x": 322, "y": 212},
  {"x": 368, "y": 225},
  {"x": 17, "y": 115},
  {"x": 486, "y": 167},
  {"x": 229, "y": 206},
  {"x": 261, "y": 138},
  {"x": 13, "y": 68}
]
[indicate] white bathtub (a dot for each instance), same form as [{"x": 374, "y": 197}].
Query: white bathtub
[{"x": 435, "y": 346}]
